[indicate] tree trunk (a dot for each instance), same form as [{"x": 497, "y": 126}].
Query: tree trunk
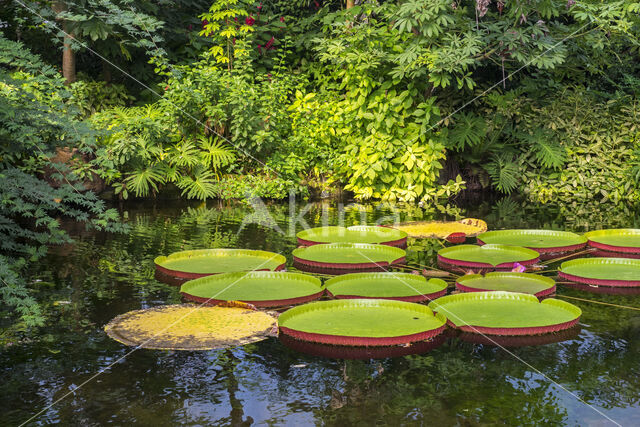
[
  {"x": 350, "y": 3},
  {"x": 106, "y": 71},
  {"x": 68, "y": 55}
]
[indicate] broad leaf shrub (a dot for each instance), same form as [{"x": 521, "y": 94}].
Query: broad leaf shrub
[{"x": 34, "y": 122}]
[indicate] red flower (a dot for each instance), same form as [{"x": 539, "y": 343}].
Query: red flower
[
  {"x": 204, "y": 23},
  {"x": 260, "y": 6},
  {"x": 249, "y": 21},
  {"x": 166, "y": 87},
  {"x": 269, "y": 43},
  {"x": 282, "y": 19}
]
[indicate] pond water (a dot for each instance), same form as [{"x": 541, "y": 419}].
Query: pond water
[{"x": 593, "y": 379}]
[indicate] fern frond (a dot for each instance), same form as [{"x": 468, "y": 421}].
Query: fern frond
[{"x": 503, "y": 172}]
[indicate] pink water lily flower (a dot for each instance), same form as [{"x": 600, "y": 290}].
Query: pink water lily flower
[{"x": 518, "y": 268}]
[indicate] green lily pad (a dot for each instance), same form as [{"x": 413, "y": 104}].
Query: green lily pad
[
  {"x": 506, "y": 313},
  {"x": 361, "y": 322},
  {"x": 201, "y": 262},
  {"x": 533, "y": 239},
  {"x": 493, "y": 255},
  {"x": 609, "y": 269},
  {"x": 260, "y": 288},
  {"x": 615, "y": 238},
  {"x": 525, "y": 283},
  {"x": 391, "y": 285},
  {"x": 349, "y": 253},
  {"x": 354, "y": 234}
]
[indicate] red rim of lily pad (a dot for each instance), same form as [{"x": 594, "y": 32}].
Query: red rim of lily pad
[
  {"x": 362, "y": 352},
  {"x": 609, "y": 246}
]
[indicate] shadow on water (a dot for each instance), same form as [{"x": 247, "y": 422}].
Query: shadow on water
[{"x": 458, "y": 383}]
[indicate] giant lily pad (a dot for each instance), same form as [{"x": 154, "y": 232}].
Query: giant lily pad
[
  {"x": 259, "y": 288},
  {"x": 542, "y": 241},
  {"x": 525, "y": 283},
  {"x": 487, "y": 256},
  {"x": 204, "y": 262},
  {"x": 394, "y": 286},
  {"x": 626, "y": 240},
  {"x": 190, "y": 327},
  {"x": 355, "y": 234},
  {"x": 361, "y": 322},
  {"x": 339, "y": 258},
  {"x": 506, "y": 313},
  {"x": 602, "y": 271},
  {"x": 470, "y": 227}
]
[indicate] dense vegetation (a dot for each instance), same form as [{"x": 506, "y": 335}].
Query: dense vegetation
[{"x": 403, "y": 100}]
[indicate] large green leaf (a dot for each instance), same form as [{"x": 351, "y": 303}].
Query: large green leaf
[
  {"x": 354, "y": 234},
  {"x": 253, "y": 286},
  {"x": 532, "y": 238},
  {"x": 349, "y": 253},
  {"x": 603, "y": 268},
  {"x": 525, "y": 283},
  {"x": 488, "y": 254},
  {"x": 212, "y": 261},
  {"x": 383, "y": 285},
  {"x": 361, "y": 318},
  {"x": 623, "y": 237},
  {"x": 504, "y": 310}
]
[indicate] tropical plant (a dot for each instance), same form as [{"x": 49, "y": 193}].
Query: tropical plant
[{"x": 36, "y": 192}]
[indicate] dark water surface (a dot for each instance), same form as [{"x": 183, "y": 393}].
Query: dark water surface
[{"x": 103, "y": 275}]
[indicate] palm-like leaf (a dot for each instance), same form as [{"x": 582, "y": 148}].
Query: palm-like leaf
[
  {"x": 469, "y": 131},
  {"x": 215, "y": 153},
  {"x": 144, "y": 179},
  {"x": 504, "y": 172},
  {"x": 199, "y": 186},
  {"x": 184, "y": 154}
]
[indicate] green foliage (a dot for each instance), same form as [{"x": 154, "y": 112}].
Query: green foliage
[
  {"x": 34, "y": 121},
  {"x": 91, "y": 97},
  {"x": 142, "y": 149}
]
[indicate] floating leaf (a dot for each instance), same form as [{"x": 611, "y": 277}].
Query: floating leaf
[
  {"x": 190, "y": 327},
  {"x": 471, "y": 227}
]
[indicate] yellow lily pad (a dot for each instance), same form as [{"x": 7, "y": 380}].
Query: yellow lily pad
[
  {"x": 471, "y": 227},
  {"x": 191, "y": 327}
]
